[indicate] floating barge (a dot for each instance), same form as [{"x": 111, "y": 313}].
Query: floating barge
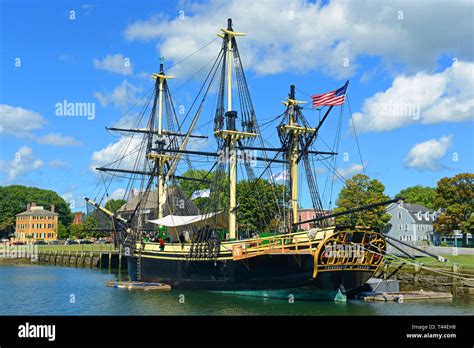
[
  {"x": 404, "y": 296},
  {"x": 147, "y": 286}
]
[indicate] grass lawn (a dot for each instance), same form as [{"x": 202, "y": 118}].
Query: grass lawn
[
  {"x": 76, "y": 247},
  {"x": 465, "y": 261}
]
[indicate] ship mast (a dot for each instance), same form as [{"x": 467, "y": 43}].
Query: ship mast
[
  {"x": 293, "y": 129},
  {"x": 159, "y": 157},
  {"x": 231, "y": 135}
]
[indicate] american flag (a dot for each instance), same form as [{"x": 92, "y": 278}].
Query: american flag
[{"x": 331, "y": 98}]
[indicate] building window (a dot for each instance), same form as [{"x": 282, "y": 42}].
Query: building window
[
  {"x": 427, "y": 216},
  {"x": 406, "y": 227},
  {"x": 400, "y": 215},
  {"x": 401, "y": 237},
  {"x": 50, "y": 235},
  {"x": 419, "y": 215},
  {"x": 400, "y": 227}
]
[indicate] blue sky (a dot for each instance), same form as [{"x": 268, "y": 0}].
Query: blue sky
[{"x": 395, "y": 54}]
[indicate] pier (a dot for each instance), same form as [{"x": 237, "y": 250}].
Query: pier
[{"x": 103, "y": 259}]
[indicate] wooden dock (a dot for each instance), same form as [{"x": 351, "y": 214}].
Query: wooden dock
[
  {"x": 138, "y": 285},
  {"x": 103, "y": 259},
  {"x": 405, "y": 296}
]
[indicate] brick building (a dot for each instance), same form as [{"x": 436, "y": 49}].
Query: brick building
[
  {"x": 36, "y": 223},
  {"x": 308, "y": 214},
  {"x": 78, "y": 218}
]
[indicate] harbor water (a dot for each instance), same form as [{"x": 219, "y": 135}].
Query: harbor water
[{"x": 52, "y": 290}]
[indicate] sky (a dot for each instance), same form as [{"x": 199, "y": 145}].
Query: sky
[{"x": 410, "y": 67}]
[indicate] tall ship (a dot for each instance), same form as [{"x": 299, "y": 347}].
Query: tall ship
[{"x": 167, "y": 238}]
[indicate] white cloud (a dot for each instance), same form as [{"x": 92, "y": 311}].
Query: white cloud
[
  {"x": 426, "y": 155},
  {"x": 447, "y": 96},
  {"x": 109, "y": 155},
  {"x": 57, "y": 139},
  {"x": 23, "y": 163},
  {"x": 74, "y": 201},
  {"x": 21, "y": 122},
  {"x": 18, "y": 121},
  {"x": 299, "y": 35},
  {"x": 117, "y": 194},
  {"x": 124, "y": 94},
  {"x": 353, "y": 169},
  {"x": 114, "y": 63}
]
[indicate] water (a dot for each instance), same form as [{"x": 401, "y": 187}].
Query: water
[{"x": 49, "y": 290}]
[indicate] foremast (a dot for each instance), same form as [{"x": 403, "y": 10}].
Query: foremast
[
  {"x": 231, "y": 135},
  {"x": 159, "y": 157}
]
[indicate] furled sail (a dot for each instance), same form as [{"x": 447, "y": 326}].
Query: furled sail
[{"x": 196, "y": 220}]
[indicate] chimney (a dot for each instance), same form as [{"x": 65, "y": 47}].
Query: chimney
[
  {"x": 52, "y": 208},
  {"x": 33, "y": 204},
  {"x": 28, "y": 205}
]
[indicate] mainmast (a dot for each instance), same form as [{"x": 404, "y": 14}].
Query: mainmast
[
  {"x": 159, "y": 157},
  {"x": 293, "y": 129},
  {"x": 231, "y": 135}
]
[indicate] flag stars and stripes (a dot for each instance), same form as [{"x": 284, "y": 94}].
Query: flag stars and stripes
[{"x": 333, "y": 98}]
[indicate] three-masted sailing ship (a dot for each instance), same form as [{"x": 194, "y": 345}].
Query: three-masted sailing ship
[{"x": 208, "y": 249}]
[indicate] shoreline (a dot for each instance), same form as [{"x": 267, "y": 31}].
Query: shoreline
[{"x": 15, "y": 262}]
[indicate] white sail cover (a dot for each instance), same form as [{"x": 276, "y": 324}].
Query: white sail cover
[{"x": 197, "y": 220}]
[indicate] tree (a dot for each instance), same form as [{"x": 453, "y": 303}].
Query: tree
[
  {"x": 456, "y": 196},
  {"x": 14, "y": 199},
  {"x": 114, "y": 204},
  {"x": 76, "y": 231},
  {"x": 203, "y": 203},
  {"x": 63, "y": 232},
  {"x": 423, "y": 195},
  {"x": 257, "y": 202},
  {"x": 359, "y": 191},
  {"x": 258, "y": 206}
]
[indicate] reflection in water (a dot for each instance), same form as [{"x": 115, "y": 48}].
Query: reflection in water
[{"x": 45, "y": 290}]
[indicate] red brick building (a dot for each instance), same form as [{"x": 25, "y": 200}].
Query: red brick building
[{"x": 308, "y": 214}]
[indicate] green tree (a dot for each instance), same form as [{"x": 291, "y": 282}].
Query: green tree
[
  {"x": 76, "y": 231},
  {"x": 259, "y": 208},
  {"x": 204, "y": 203},
  {"x": 63, "y": 232},
  {"x": 359, "y": 191},
  {"x": 91, "y": 227},
  {"x": 14, "y": 199},
  {"x": 114, "y": 204},
  {"x": 423, "y": 195},
  {"x": 456, "y": 196}
]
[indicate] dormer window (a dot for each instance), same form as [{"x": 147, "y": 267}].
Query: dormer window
[
  {"x": 427, "y": 216},
  {"x": 419, "y": 215}
]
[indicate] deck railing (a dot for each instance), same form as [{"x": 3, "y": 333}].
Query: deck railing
[{"x": 292, "y": 243}]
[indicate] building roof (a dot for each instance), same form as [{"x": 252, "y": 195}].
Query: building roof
[
  {"x": 37, "y": 210},
  {"x": 152, "y": 202},
  {"x": 413, "y": 209}
]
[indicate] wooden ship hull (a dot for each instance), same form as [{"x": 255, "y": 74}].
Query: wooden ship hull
[{"x": 270, "y": 267}]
